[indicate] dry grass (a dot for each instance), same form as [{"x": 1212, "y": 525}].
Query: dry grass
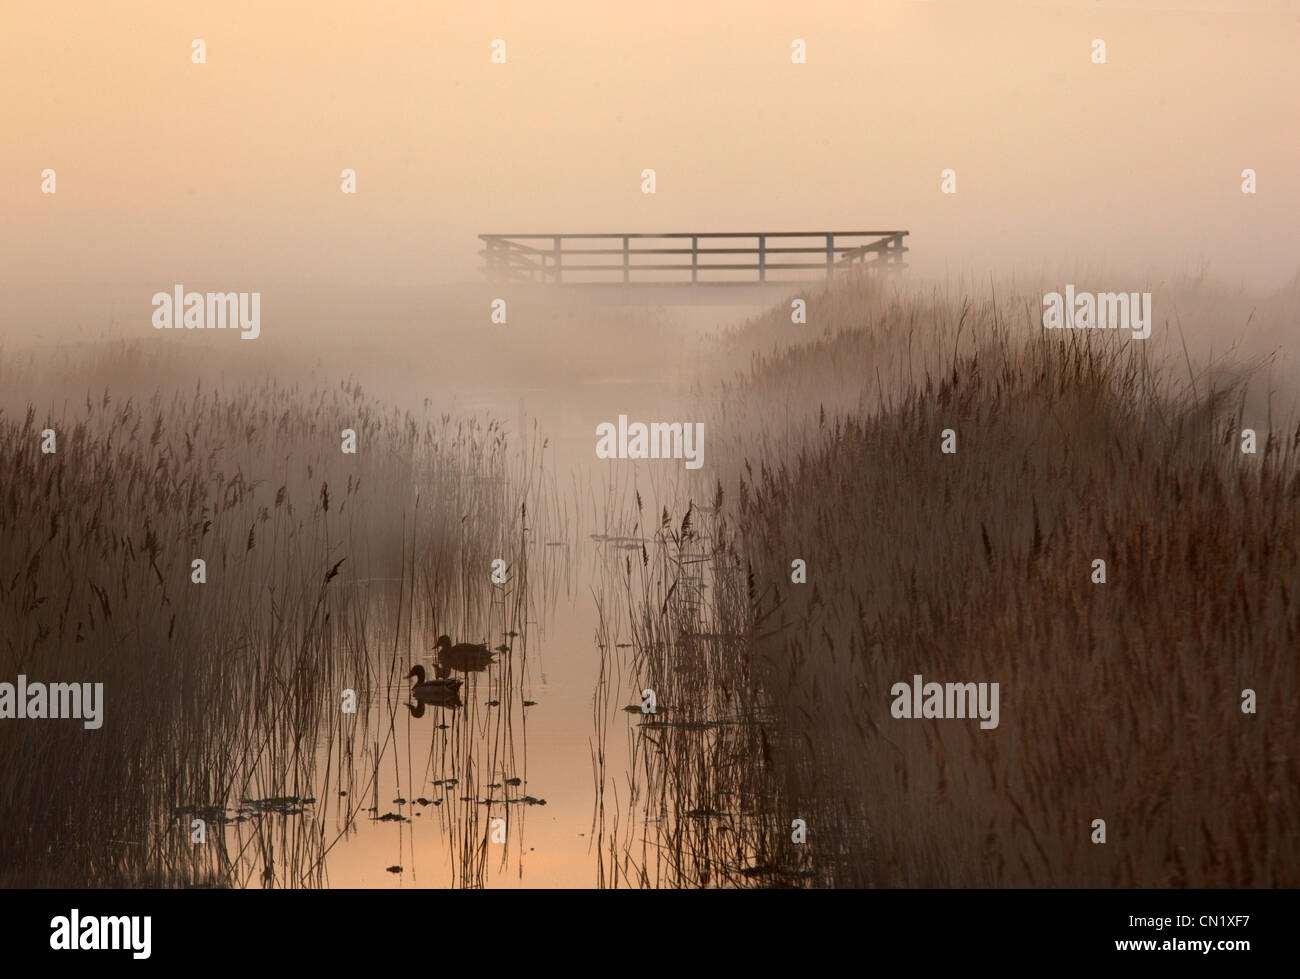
[
  {"x": 220, "y": 692},
  {"x": 1119, "y": 701},
  {"x": 692, "y": 809}
]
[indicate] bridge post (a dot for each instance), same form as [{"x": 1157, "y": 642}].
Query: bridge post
[
  {"x": 762, "y": 258},
  {"x": 830, "y": 257},
  {"x": 695, "y": 259},
  {"x": 625, "y": 259},
  {"x": 558, "y": 246}
]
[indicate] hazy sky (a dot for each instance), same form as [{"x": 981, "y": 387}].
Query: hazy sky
[{"x": 229, "y": 172}]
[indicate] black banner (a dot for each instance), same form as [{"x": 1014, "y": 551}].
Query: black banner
[{"x": 144, "y": 929}]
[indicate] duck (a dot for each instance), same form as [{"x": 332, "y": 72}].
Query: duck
[
  {"x": 431, "y": 689},
  {"x": 464, "y": 656}
]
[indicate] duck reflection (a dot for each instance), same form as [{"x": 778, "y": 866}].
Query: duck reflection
[{"x": 450, "y": 700}]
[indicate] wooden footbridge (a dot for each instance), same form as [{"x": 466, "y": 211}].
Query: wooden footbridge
[{"x": 704, "y": 260}]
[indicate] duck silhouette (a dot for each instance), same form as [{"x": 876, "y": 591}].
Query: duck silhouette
[
  {"x": 441, "y": 691},
  {"x": 463, "y": 656}
]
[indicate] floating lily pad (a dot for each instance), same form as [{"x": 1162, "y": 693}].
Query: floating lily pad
[
  {"x": 282, "y": 805},
  {"x": 209, "y": 814}
]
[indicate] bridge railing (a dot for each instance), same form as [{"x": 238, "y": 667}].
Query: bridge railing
[{"x": 688, "y": 257}]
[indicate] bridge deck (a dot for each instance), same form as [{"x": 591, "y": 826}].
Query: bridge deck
[
  {"x": 665, "y": 294},
  {"x": 586, "y": 259}
]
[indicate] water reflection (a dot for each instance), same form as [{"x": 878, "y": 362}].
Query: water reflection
[
  {"x": 699, "y": 806},
  {"x": 472, "y": 766},
  {"x": 448, "y": 697},
  {"x": 435, "y": 795}
]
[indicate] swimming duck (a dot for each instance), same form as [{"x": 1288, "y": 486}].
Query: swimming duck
[
  {"x": 464, "y": 656},
  {"x": 432, "y": 688}
]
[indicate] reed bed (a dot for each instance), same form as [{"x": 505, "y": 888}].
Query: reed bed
[
  {"x": 1119, "y": 701},
  {"x": 218, "y": 695},
  {"x": 693, "y": 807}
]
